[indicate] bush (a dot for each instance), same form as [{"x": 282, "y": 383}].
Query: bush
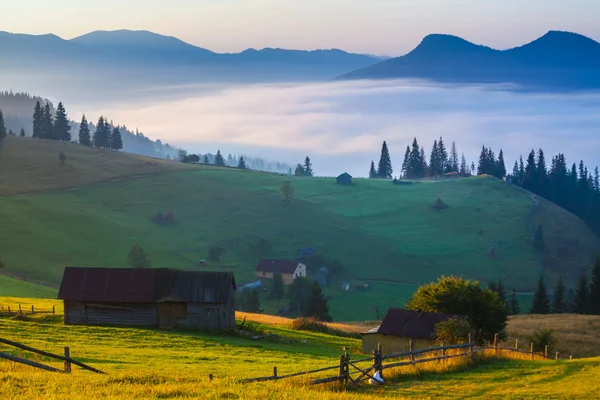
[
  {"x": 542, "y": 338},
  {"x": 309, "y": 324},
  {"x": 452, "y": 331}
]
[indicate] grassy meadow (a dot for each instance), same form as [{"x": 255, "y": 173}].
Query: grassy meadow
[{"x": 150, "y": 364}]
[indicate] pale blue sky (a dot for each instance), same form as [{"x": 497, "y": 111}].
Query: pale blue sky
[{"x": 376, "y": 26}]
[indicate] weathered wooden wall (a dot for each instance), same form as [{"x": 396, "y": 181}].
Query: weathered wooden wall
[
  {"x": 392, "y": 344},
  {"x": 115, "y": 314}
]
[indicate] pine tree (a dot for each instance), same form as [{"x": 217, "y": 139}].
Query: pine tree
[
  {"x": 316, "y": 305},
  {"x": 205, "y": 161},
  {"x": 521, "y": 171},
  {"x": 530, "y": 177},
  {"x": 539, "y": 243},
  {"x": 434, "y": 160},
  {"x": 38, "y": 116},
  {"x": 47, "y": 123},
  {"x": 385, "y": 170},
  {"x": 299, "y": 171},
  {"x": 443, "y": 156},
  {"x": 3, "y": 132},
  {"x": 559, "y": 303},
  {"x": 454, "y": 167},
  {"x": 500, "y": 166},
  {"x": 424, "y": 166},
  {"x": 594, "y": 292},
  {"x": 596, "y": 180},
  {"x": 62, "y": 127},
  {"x": 101, "y": 136},
  {"x": 501, "y": 291},
  {"x": 482, "y": 165},
  {"x": 116, "y": 141},
  {"x": 581, "y": 301},
  {"x": 513, "y": 305},
  {"x": 308, "y": 167},
  {"x": 372, "y": 171},
  {"x": 415, "y": 164},
  {"x": 542, "y": 175},
  {"x": 84, "y": 132},
  {"x": 541, "y": 304},
  {"x": 241, "y": 163},
  {"x": 22, "y": 133},
  {"x": 463, "y": 164},
  {"x": 219, "y": 160},
  {"x": 277, "y": 288},
  {"x": 406, "y": 162}
]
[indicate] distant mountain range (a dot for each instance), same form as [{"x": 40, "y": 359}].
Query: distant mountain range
[
  {"x": 145, "y": 51},
  {"x": 557, "y": 60}
]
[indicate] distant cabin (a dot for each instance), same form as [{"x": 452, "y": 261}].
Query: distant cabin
[
  {"x": 162, "y": 298},
  {"x": 289, "y": 270},
  {"x": 400, "y": 326},
  {"x": 344, "y": 179}
]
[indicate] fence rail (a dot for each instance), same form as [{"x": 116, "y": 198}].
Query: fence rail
[
  {"x": 20, "y": 310},
  {"x": 66, "y": 358},
  {"x": 348, "y": 368}
]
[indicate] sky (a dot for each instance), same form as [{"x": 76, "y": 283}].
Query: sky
[{"x": 382, "y": 27}]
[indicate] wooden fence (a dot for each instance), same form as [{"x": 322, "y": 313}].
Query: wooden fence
[
  {"x": 350, "y": 372},
  {"x": 66, "y": 358},
  {"x": 25, "y": 310}
]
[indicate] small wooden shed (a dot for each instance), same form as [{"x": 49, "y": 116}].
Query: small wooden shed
[
  {"x": 163, "y": 298},
  {"x": 399, "y": 326},
  {"x": 344, "y": 179}
]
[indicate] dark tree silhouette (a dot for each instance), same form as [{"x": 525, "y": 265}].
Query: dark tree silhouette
[
  {"x": 38, "y": 116},
  {"x": 84, "y": 132},
  {"x": 47, "y": 123},
  {"x": 22, "y": 133},
  {"x": 316, "y": 304},
  {"x": 308, "y": 171},
  {"x": 3, "y": 132},
  {"x": 116, "y": 141},
  {"x": 242, "y": 163},
  {"x": 372, "y": 170},
  {"x": 219, "y": 160},
  {"x": 513, "y": 304},
  {"x": 62, "y": 127},
  {"x": 541, "y": 304},
  {"x": 385, "y": 170},
  {"x": 582, "y": 297},
  {"x": 559, "y": 301}
]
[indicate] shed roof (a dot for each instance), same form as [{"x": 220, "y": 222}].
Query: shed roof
[
  {"x": 277, "y": 266},
  {"x": 345, "y": 175},
  {"x": 413, "y": 324},
  {"x": 128, "y": 285}
]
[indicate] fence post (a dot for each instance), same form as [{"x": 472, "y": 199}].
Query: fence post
[
  {"x": 32, "y": 310},
  {"x": 546, "y": 351},
  {"x": 347, "y": 368},
  {"x": 342, "y": 368},
  {"x": 556, "y": 356},
  {"x": 9, "y": 309},
  {"x": 411, "y": 348},
  {"x": 517, "y": 344},
  {"x": 531, "y": 351},
  {"x": 275, "y": 372},
  {"x": 571, "y": 357},
  {"x": 380, "y": 352},
  {"x": 67, "y": 362},
  {"x": 52, "y": 309},
  {"x": 471, "y": 345},
  {"x": 20, "y": 308}
]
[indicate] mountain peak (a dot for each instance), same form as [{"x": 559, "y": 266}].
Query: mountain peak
[{"x": 442, "y": 44}]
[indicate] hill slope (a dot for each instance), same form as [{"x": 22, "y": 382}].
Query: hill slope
[
  {"x": 559, "y": 60},
  {"x": 386, "y": 234}
]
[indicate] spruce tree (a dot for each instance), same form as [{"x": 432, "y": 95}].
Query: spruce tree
[
  {"x": 443, "y": 156},
  {"x": 84, "y": 132},
  {"x": 541, "y": 304},
  {"x": 205, "y": 161},
  {"x": 530, "y": 177},
  {"x": 596, "y": 180},
  {"x": 559, "y": 302},
  {"x": 47, "y": 123},
  {"x": 277, "y": 288},
  {"x": 594, "y": 292},
  {"x": 542, "y": 175},
  {"x": 424, "y": 166},
  {"x": 116, "y": 141},
  {"x": 406, "y": 162},
  {"x": 581, "y": 301},
  {"x": 62, "y": 127},
  {"x": 415, "y": 164},
  {"x": 454, "y": 166},
  {"x": 242, "y": 163},
  {"x": 463, "y": 164},
  {"x": 22, "y": 133},
  {"x": 299, "y": 171},
  {"x": 38, "y": 116},
  {"x": 500, "y": 166},
  {"x": 308, "y": 167},
  {"x": 3, "y": 132},
  {"x": 372, "y": 171},
  {"x": 101, "y": 137},
  {"x": 385, "y": 170},
  {"x": 513, "y": 305},
  {"x": 482, "y": 165},
  {"x": 316, "y": 304},
  {"x": 434, "y": 160},
  {"x": 219, "y": 160},
  {"x": 501, "y": 291}
]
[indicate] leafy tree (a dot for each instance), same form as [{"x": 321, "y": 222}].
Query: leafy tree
[
  {"x": 452, "y": 331},
  {"x": 277, "y": 288},
  {"x": 116, "y": 141},
  {"x": 287, "y": 192},
  {"x": 513, "y": 305},
  {"x": 316, "y": 304},
  {"x": 542, "y": 338},
  {"x": 385, "y": 170},
  {"x": 372, "y": 171},
  {"x": 559, "y": 301},
  {"x": 38, "y": 116},
  {"x": 3, "y": 132},
  {"x": 249, "y": 301},
  {"x": 594, "y": 291},
  {"x": 242, "y": 163},
  {"x": 299, "y": 170},
  {"x": 219, "y": 160},
  {"x": 22, "y": 133},
  {"x": 308, "y": 167},
  {"x": 298, "y": 294},
  {"x": 452, "y": 295},
  {"x": 84, "y": 132},
  {"x": 539, "y": 239},
  {"x": 47, "y": 123},
  {"x": 582, "y": 297},
  {"x": 138, "y": 258},
  {"x": 62, "y": 127},
  {"x": 541, "y": 304}
]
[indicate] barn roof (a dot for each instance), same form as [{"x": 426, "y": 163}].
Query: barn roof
[
  {"x": 409, "y": 323},
  {"x": 128, "y": 285},
  {"x": 277, "y": 266},
  {"x": 345, "y": 175}
]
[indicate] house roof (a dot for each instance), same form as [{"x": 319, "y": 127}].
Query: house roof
[
  {"x": 345, "y": 175},
  {"x": 128, "y": 285},
  {"x": 413, "y": 324},
  {"x": 277, "y": 266}
]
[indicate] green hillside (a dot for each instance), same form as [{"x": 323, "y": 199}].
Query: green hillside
[{"x": 386, "y": 234}]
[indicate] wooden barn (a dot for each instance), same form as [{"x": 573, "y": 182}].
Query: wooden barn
[
  {"x": 400, "y": 326},
  {"x": 344, "y": 179},
  {"x": 163, "y": 298}
]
